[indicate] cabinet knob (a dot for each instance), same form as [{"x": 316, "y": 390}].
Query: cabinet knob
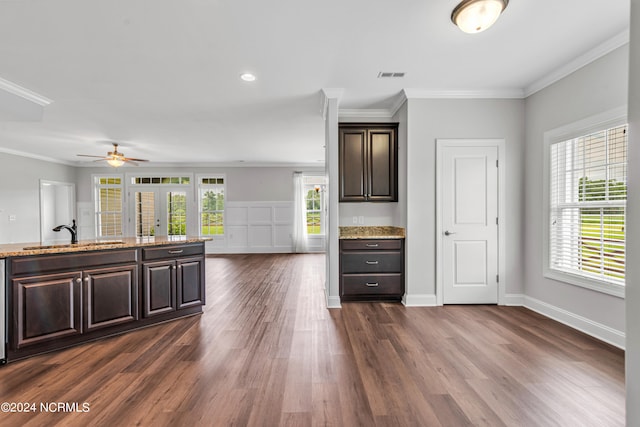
[{"x": 79, "y": 280}]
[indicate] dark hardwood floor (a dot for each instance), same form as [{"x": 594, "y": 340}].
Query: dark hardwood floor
[{"x": 267, "y": 353}]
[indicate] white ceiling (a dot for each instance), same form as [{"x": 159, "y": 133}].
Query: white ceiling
[{"x": 161, "y": 77}]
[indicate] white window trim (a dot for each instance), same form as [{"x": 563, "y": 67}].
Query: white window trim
[{"x": 605, "y": 120}]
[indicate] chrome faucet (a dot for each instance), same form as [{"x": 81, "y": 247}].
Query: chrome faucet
[{"x": 73, "y": 230}]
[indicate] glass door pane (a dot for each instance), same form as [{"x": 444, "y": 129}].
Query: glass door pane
[
  {"x": 145, "y": 214},
  {"x": 176, "y": 213}
]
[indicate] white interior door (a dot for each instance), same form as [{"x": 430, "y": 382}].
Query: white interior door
[
  {"x": 469, "y": 224},
  {"x": 159, "y": 211}
]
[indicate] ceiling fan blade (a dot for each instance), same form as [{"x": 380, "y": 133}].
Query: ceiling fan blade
[
  {"x": 128, "y": 161},
  {"x": 135, "y": 160},
  {"x": 89, "y": 155}
]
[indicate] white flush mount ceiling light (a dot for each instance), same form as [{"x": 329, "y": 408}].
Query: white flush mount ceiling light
[
  {"x": 248, "y": 77},
  {"x": 474, "y": 16}
]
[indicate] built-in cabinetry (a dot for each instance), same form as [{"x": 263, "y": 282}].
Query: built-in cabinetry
[
  {"x": 368, "y": 162},
  {"x": 171, "y": 278},
  {"x": 371, "y": 269},
  {"x": 60, "y": 300}
]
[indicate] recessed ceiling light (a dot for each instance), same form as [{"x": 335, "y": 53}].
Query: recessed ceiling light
[{"x": 248, "y": 77}]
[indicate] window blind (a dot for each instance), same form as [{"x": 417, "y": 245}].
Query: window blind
[
  {"x": 108, "y": 209},
  {"x": 588, "y": 202}
]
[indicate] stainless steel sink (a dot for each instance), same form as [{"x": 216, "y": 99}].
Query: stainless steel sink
[{"x": 74, "y": 245}]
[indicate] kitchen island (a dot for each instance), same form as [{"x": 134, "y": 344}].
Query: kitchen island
[{"x": 59, "y": 295}]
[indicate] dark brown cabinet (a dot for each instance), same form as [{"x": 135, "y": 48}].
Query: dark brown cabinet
[
  {"x": 189, "y": 280},
  {"x": 62, "y": 295},
  {"x": 159, "y": 287},
  {"x": 46, "y": 307},
  {"x": 110, "y": 296},
  {"x": 175, "y": 283},
  {"x": 371, "y": 269},
  {"x": 64, "y": 299},
  {"x": 368, "y": 162}
]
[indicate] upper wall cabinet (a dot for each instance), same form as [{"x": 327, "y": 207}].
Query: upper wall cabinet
[{"x": 368, "y": 162}]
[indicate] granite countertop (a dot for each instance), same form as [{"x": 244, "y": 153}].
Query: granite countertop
[
  {"x": 372, "y": 232},
  {"x": 25, "y": 249}
]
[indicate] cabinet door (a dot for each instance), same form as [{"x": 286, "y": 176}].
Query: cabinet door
[
  {"x": 353, "y": 164},
  {"x": 159, "y": 287},
  {"x": 46, "y": 308},
  {"x": 190, "y": 282},
  {"x": 382, "y": 165},
  {"x": 110, "y": 296}
]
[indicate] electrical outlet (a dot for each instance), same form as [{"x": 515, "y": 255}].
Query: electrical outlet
[
  {"x": 361, "y": 220},
  {"x": 12, "y": 217}
]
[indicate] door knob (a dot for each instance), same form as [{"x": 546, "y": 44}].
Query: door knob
[{"x": 449, "y": 233}]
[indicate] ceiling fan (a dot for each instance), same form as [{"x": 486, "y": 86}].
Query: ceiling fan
[{"x": 115, "y": 158}]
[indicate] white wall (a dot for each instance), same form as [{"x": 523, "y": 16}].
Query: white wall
[
  {"x": 431, "y": 119},
  {"x": 20, "y": 195},
  {"x": 633, "y": 227},
  {"x": 596, "y": 88}
]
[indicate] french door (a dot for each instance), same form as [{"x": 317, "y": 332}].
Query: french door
[{"x": 158, "y": 211}]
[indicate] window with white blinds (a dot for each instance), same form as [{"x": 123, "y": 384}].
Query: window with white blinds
[
  {"x": 588, "y": 194},
  {"x": 108, "y": 206}
]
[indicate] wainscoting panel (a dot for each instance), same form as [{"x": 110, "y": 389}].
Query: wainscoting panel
[{"x": 260, "y": 227}]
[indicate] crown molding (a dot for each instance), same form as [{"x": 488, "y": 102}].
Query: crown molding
[
  {"x": 35, "y": 156},
  {"x": 579, "y": 62},
  {"x": 221, "y": 165},
  {"x": 412, "y": 93},
  {"x": 24, "y": 93}
]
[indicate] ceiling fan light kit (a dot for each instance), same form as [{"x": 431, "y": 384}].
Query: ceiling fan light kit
[
  {"x": 115, "y": 159},
  {"x": 474, "y": 16},
  {"x": 115, "y": 162}
]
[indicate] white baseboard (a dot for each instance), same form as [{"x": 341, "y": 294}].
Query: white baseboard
[
  {"x": 514, "y": 299},
  {"x": 423, "y": 300},
  {"x": 332, "y": 302},
  {"x": 595, "y": 329}
]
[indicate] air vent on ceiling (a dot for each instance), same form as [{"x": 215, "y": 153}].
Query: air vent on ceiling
[{"x": 388, "y": 74}]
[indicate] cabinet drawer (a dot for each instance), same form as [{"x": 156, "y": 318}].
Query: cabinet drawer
[
  {"x": 372, "y": 284},
  {"x": 371, "y": 244},
  {"x": 46, "y": 263},
  {"x": 374, "y": 262},
  {"x": 172, "y": 251}
]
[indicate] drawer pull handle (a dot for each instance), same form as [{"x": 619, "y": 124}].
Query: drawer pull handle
[
  {"x": 176, "y": 252},
  {"x": 372, "y": 285},
  {"x": 372, "y": 245},
  {"x": 372, "y": 262}
]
